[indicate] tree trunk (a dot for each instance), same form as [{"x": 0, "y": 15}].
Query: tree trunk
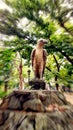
[
  {"x": 6, "y": 86},
  {"x": 56, "y": 84},
  {"x": 5, "y": 83},
  {"x": 20, "y": 76},
  {"x": 56, "y": 77}
]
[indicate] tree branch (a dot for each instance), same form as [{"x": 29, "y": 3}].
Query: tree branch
[{"x": 63, "y": 53}]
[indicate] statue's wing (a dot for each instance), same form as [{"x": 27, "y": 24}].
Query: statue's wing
[
  {"x": 32, "y": 56},
  {"x": 44, "y": 58}
]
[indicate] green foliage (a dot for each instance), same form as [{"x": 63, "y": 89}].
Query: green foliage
[
  {"x": 64, "y": 72},
  {"x": 2, "y": 94},
  {"x": 63, "y": 42},
  {"x": 5, "y": 63}
]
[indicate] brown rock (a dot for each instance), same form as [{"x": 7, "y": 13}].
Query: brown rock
[
  {"x": 33, "y": 105},
  {"x": 4, "y": 104},
  {"x": 14, "y": 103}
]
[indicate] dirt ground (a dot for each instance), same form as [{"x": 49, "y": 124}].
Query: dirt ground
[{"x": 69, "y": 97}]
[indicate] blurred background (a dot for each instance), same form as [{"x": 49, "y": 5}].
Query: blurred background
[{"x": 22, "y": 23}]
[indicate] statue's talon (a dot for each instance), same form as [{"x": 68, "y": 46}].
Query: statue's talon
[{"x": 41, "y": 78}]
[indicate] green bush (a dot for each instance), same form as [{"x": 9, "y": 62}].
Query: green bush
[{"x": 2, "y": 94}]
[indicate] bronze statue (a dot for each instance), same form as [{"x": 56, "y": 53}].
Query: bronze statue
[{"x": 38, "y": 58}]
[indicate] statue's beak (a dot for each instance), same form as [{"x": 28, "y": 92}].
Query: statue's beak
[{"x": 45, "y": 41}]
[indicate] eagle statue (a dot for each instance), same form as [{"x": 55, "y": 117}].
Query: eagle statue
[{"x": 38, "y": 59}]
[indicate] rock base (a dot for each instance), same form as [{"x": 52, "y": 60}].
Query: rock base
[{"x": 36, "y": 110}]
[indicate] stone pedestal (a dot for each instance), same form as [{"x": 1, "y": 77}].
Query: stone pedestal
[
  {"x": 36, "y": 110},
  {"x": 37, "y": 84}
]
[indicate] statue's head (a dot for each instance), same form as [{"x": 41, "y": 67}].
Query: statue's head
[{"x": 42, "y": 41}]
